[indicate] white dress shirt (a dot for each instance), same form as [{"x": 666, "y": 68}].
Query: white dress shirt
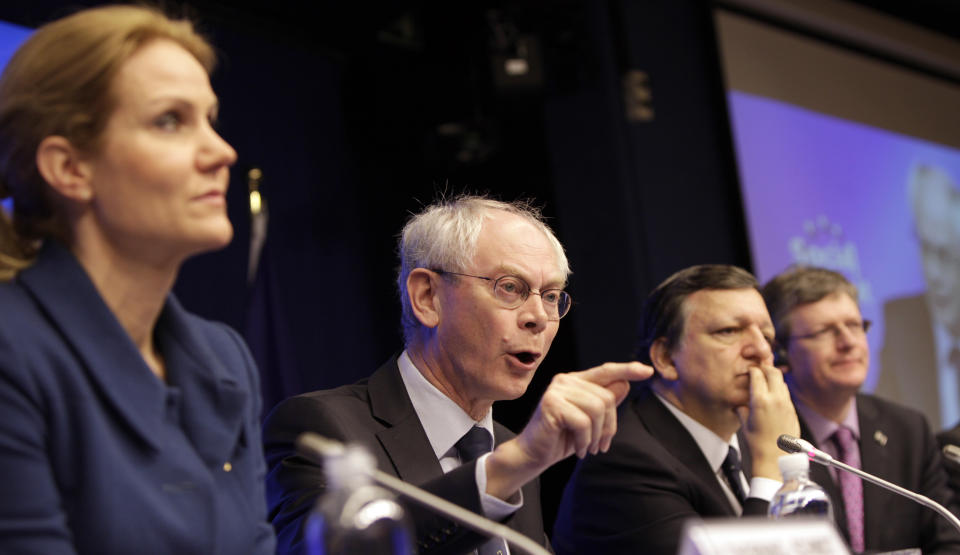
[
  {"x": 715, "y": 450},
  {"x": 445, "y": 423},
  {"x": 947, "y": 380}
]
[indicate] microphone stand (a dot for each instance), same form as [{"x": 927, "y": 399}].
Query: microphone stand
[
  {"x": 791, "y": 444},
  {"x": 922, "y": 499},
  {"x": 316, "y": 447}
]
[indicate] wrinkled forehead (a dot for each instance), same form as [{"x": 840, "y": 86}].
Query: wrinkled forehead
[
  {"x": 510, "y": 243},
  {"x": 733, "y": 306}
]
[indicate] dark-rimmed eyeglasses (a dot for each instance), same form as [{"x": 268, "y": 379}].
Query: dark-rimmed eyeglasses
[
  {"x": 858, "y": 328},
  {"x": 513, "y": 291}
]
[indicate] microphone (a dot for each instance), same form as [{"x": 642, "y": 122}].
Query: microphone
[
  {"x": 317, "y": 448},
  {"x": 952, "y": 453},
  {"x": 792, "y": 444}
]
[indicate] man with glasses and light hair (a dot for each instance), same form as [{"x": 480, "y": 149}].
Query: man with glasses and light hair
[
  {"x": 821, "y": 341},
  {"x": 482, "y": 290}
]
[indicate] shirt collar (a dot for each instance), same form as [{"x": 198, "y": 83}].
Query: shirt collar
[
  {"x": 714, "y": 448},
  {"x": 823, "y": 428},
  {"x": 442, "y": 419}
]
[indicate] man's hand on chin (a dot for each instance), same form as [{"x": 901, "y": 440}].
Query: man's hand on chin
[{"x": 769, "y": 415}]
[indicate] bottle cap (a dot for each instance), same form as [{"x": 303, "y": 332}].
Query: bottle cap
[
  {"x": 349, "y": 469},
  {"x": 791, "y": 464}
]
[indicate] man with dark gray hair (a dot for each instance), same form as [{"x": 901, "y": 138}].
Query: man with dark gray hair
[
  {"x": 716, "y": 402},
  {"x": 823, "y": 352},
  {"x": 482, "y": 288}
]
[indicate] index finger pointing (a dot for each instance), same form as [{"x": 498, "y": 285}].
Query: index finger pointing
[{"x": 611, "y": 372}]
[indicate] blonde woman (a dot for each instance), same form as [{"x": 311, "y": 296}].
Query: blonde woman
[{"x": 127, "y": 424}]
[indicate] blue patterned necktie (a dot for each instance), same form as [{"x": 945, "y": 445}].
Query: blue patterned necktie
[
  {"x": 474, "y": 443},
  {"x": 471, "y": 446}
]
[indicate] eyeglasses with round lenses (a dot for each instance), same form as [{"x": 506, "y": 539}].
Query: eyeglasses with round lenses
[{"x": 513, "y": 291}]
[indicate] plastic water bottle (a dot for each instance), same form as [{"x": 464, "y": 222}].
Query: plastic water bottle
[
  {"x": 354, "y": 515},
  {"x": 799, "y": 495}
]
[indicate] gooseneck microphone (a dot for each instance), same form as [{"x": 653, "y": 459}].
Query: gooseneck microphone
[
  {"x": 317, "y": 448},
  {"x": 952, "y": 453},
  {"x": 792, "y": 444}
]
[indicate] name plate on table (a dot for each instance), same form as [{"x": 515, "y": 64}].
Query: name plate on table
[{"x": 755, "y": 536}]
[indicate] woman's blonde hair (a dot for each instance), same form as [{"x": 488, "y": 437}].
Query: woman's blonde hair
[{"x": 59, "y": 83}]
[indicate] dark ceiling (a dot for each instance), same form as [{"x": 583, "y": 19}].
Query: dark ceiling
[
  {"x": 942, "y": 16},
  {"x": 345, "y": 25}
]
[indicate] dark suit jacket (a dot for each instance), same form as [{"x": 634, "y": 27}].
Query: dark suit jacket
[
  {"x": 908, "y": 360},
  {"x": 636, "y": 497},
  {"x": 376, "y": 413},
  {"x": 897, "y": 445},
  {"x": 99, "y": 456}
]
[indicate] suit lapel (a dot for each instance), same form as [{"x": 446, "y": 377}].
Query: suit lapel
[
  {"x": 404, "y": 440},
  {"x": 213, "y": 401},
  {"x": 409, "y": 449},
  {"x": 61, "y": 288},
  {"x": 678, "y": 442},
  {"x": 875, "y": 459}
]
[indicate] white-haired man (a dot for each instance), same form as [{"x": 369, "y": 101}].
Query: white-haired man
[
  {"x": 481, "y": 284},
  {"x": 920, "y": 360}
]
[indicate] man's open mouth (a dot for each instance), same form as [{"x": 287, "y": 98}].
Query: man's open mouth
[{"x": 525, "y": 357}]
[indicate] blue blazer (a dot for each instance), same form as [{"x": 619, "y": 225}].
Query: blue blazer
[{"x": 99, "y": 456}]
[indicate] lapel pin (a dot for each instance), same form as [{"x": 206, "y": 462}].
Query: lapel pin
[{"x": 880, "y": 438}]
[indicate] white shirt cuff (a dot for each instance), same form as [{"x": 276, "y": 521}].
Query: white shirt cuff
[
  {"x": 764, "y": 488},
  {"x": 495, "y": 508}
]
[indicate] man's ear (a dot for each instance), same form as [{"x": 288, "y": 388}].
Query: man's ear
[
  {"x": 64, "y": 169},
  {"x": 423, "y": 295},
  {"x": 662, "y": 360}
]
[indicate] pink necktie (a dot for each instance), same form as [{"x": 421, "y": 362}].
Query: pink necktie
[{"x": 850, "y": 485}]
